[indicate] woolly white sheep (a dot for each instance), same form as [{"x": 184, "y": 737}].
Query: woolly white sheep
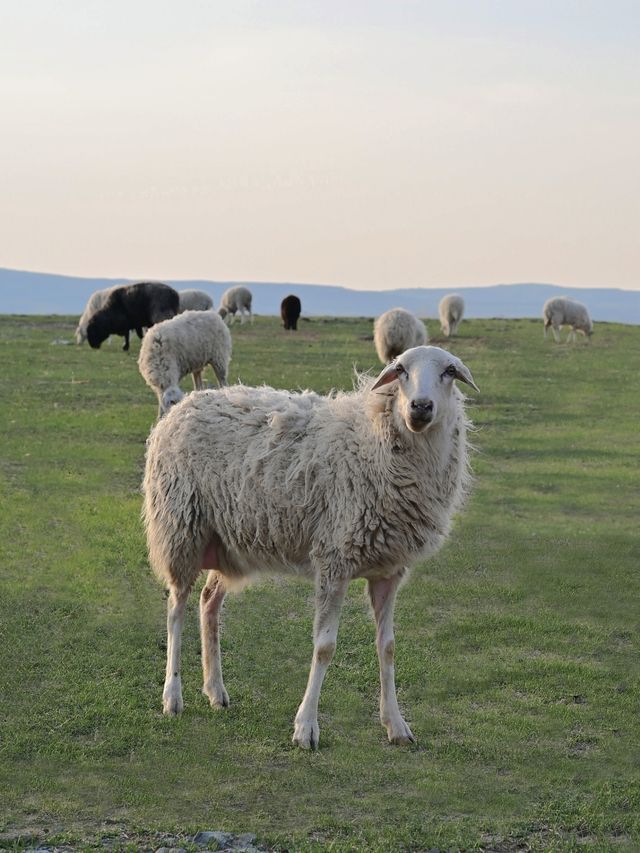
[
  {"x": 184, "y": 344},
  {"x": 396, "y": 331},
  {"x": 562, "y": 311},
  {"x": 236, "y": 299},
  {"x": 96, "y": 301},
  {"x": 450, "y": 309},
  {"x": 194, "y": 300},
  {"x": 242, "y": 481}
]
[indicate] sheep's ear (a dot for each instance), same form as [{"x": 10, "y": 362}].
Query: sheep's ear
[
  {"x": 464, "y": 375},
  {"x": 389, "y": 374}
]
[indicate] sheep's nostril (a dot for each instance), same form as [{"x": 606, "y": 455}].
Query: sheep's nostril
[{"x": 422, "y": 406}]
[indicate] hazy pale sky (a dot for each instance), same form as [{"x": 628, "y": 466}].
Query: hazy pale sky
[{"x": 368, "y": 143}]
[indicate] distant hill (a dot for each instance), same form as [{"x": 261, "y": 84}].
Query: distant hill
[{"x": 41, "y": 293}]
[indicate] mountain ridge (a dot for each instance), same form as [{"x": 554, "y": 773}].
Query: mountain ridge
[{"x": 25, "y": 292}]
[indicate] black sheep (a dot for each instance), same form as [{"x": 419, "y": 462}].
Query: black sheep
[
  {"x": 134, "y": 306},
  {"x": 290, "y": 309}
]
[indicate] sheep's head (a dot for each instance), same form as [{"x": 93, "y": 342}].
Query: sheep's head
[
  {"x": 424, "y": 377},
  {"x": 97, "y": 330},
  {"x": 169, "y": 399}
]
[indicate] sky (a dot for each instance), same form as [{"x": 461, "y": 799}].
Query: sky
[{"x": 362, "y": 143}]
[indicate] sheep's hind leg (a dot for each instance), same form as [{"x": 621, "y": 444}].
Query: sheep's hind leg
[
  {"x": 197, "y": 380},
  {"x": 172, "y": 693},
  {"x": 382, "y": 593},
  {"x": 329, "y": 597},
  {"x": 211, "y": 599}
]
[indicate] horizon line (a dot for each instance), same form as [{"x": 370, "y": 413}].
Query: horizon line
[{"x": 232, "y": 282}]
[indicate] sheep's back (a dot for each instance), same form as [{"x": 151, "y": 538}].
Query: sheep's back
[
  {"x": 194, "y": 300},
  {"x": 396, "y": 331}
]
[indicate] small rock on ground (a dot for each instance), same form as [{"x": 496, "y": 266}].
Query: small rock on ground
[{"x": 217, "y": 840}]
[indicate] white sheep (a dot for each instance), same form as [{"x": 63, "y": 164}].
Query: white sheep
[
  {"x": 396, "y": 331},
  {"x": 450, "y": 310},
  {"x": 562, "y": 311},
  {"x": 236, "y": 300},
  {"x": 96, "y": 301},
  {"x": 242, "y": 481},
  {"x": 185, "y": 344},
  {"x": 194, "y": 300}
]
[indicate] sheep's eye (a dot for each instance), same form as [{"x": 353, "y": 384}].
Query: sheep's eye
[
  {"x": 451, "y": 370},
  {"x": 400, "y": 370}
]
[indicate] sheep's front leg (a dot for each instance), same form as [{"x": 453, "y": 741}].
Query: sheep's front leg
[
  {"x": 556, "y": 333},
  {"x": 329, "y": 597},
  {"x": 172, "y": 693},
  {"x": 382, "y": 593},
  {"x": 211, "y": 599},
  {"x": 220, "y": 371}
]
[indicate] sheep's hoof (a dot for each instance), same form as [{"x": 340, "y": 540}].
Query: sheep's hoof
[
  {"x": 306, "y": 734},
  {"x": 172, "y": 705},
  {"x": 399, "y": 733},
  {"x": 218, "y": 697}
]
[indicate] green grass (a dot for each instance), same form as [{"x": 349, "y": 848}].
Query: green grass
[{"x": 517, "y": 646}]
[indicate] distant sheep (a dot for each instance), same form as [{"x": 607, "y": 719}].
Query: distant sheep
[
  {"x": 396, "y": 331},
  {"x": 290, "y": 309},
  {"x": 134, "y": 306},
  {"x": 194, "y": 300},
  {"x": 562, "y": 311},
  {"x": 450, "y": 309},
  {"x": 96, "y": 301},
  {"x": 182, "y": 345},
  {"x": 244, "y": 481},
  {"x": 236, "y": 300}
]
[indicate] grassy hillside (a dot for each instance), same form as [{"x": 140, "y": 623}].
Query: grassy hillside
[{"x": 517, "y": 646}]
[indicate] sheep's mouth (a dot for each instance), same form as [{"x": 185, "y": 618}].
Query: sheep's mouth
[{"x": 419, "y": 423}]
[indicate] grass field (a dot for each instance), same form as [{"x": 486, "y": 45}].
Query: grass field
[{"x": 518, "y": 658}]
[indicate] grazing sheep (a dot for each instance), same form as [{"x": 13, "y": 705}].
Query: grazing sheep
[
  {"x": 396, "y": 331},
  {"x": 241, "y": 480},
  {"x": 562, "y": 311},
  {"x": 184, "y": 344},
  {"x": 96, "y": 301},
  {"x": 194, "y": 300},
  {"x": 134, "y": 306},
  {"x": 236, "y": 299},
  {"x": 290, "y": 309},
  {"x": 450, "y": 309}
]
